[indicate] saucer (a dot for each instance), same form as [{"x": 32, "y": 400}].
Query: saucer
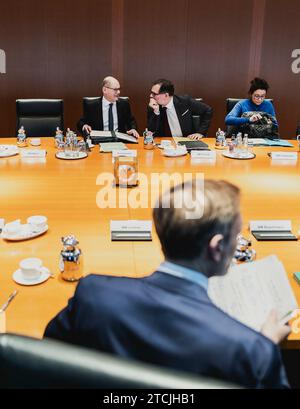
[
  {"x": 8, "y": 150},
  {"x": 19, "y": 278},
  {"x": 25, "y": 233},
  {"x": 174, "y": 154},
  {"x": 250, "y": 155},
  {"x": 62, "y": 155}
]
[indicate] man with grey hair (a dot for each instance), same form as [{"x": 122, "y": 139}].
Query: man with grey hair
[
  {"x": 168, "y": 318},
  {"x": 109, "y": 112}
]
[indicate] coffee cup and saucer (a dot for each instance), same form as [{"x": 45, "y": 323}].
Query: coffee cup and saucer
[
  {"x": 35, "y": 141},
  {"x": 37, "y": 223},
  {"x": 31, "y": 272}
]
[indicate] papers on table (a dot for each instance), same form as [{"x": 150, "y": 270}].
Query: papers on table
[
  {"x": 249, "y": 291},
  {"x": 131, "y": 230},
  {"x": 269, "y": 142},
  {"x": 101, "y": 136}
]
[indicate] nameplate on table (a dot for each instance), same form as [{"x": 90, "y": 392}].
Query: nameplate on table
[
  {"x": 284, "y": 156},
  {"x": 272, "y": 230},
  {"x": 206, "y": 155},
  {"x": 33, "y": 153},
  {"x": 131, "y": 153},
  {"x": 131, "y": 230}
]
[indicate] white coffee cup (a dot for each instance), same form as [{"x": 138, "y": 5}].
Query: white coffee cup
[
  {"x": 12, "y": 228},
  {"x": 166, "y": 143},
  {"x": 37, "y": 222},
  {"x": 35, "y": 141},
  {"x": 31, "y": 268}
]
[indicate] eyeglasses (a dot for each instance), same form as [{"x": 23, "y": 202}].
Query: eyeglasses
[
  {"x": 256, "y": 96},
  {"x": 114, "y": 89},
  {"x": 156, "y": 93}
]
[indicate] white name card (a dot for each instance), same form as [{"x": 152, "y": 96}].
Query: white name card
[
  {"x": 130, "y": 225},
  {"x": 211, "y": 155},
  {"x": 33, "y": 153},
  {"x": 284, "y": 156},
  {"x": 131, "y": 153},
  {"x": 270, "y": 225}
]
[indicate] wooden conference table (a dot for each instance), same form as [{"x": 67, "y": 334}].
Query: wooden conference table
[{"x": 67, "y": 193}]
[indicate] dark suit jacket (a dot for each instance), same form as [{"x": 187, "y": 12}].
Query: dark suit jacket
[
  {"x": 186, "y": 107},
  {"x": 298, "y": 130},
  {"x": 92, "y": 115},
  {"x": 170, "y": 322}
]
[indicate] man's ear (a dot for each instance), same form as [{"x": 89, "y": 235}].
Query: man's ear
[{"x": 216, "y": 247}]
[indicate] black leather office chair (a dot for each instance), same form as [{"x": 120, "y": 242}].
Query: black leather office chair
[
  {"x": 40, "y": 117},
  {"x": 32, "y": 363},
  {"x": 231, "y": 102}
]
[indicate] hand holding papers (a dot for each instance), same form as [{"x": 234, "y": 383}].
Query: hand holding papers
[{"x": 250, "y": 291}]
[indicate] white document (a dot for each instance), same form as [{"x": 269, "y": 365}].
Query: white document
[
  {"x": 257, "y": 141},
  {"x": 126, "y": 137},
  {"x": 249, "y": 291},
  {"x": 270, "y": 225},
  {"x": 103, "y": 134},
  {"x": 109, "y": 134}
]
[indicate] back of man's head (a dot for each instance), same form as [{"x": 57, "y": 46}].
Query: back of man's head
[
  {"x": 189, "y": 215},
  {"x": 166, "y": 86}
]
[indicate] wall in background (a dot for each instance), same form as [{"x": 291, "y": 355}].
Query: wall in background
[{"x": 63, "y": 49}]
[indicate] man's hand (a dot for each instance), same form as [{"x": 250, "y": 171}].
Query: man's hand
[
  {"x": 134, "y": 133},
  {"x": 255, "y": 117},
  {"x": 196, "y": 136},
  {"x": 273, "y": 330},
  {"x": 154, "y": 105},
  {"x": 87, "y": 129}
]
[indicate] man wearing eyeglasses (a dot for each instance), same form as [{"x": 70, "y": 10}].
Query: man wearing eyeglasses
[
  {"x": 109, "y": 112},
  {"x": 172, "y": 115}
]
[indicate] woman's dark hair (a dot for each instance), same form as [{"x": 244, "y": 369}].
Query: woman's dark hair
[{"x": 258, "y": 83}]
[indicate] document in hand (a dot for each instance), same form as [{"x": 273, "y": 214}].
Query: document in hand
[{"x": 249, "y": 291}]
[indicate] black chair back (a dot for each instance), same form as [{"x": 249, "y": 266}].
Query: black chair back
[
  {"x": 231, "y": 102},
  {"x": 33, "y": 363},
  {"x": 40, "y": 117}
]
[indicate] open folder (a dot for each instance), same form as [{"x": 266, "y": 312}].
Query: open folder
[
  {"x": 249, "y": 291},
  {"x": 111, "y": 136}
]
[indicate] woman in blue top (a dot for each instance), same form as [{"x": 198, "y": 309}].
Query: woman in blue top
[{"x": 255, "y": 103}]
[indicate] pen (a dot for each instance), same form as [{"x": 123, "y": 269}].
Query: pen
[{"x": 10, "y": 298}]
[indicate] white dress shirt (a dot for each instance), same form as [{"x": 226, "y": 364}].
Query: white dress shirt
[
  {"x": 105, "y": 108},
  {"x": 173, "y": 119}
]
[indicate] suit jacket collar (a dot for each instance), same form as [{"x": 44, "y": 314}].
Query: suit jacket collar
[
  {"x": 179, "y": 286},
  {"x": 180, "y": 108}
]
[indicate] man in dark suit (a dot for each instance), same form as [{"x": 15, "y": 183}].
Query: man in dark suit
[
  {"x": 109, "y": 112},
  {"x": 168, "y": 318},
  {"x": 171, "y": 115}
]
